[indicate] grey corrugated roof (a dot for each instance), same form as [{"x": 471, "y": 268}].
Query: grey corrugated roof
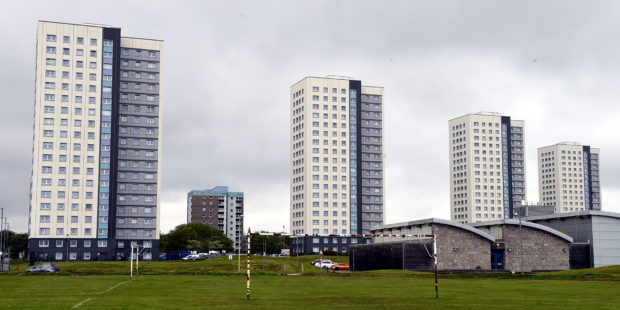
[
  {"x": 572, "y": 214},
  {"x": 438, "y": 221},
  {"x": 526, "y": 224}
]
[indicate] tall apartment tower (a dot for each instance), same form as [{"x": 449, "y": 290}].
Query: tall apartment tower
[
  {"x": 568, "y": 177},
  {"x": 96, "y": 147},
  {"x": 487, "y": 167},
  {"x": 218, "y": 208},
  {"x": 336, "y": 157}
]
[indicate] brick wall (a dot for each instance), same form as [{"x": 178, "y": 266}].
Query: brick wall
[
  {"x": 474, "y": 252},
  {"x": 541, "y": 250}
]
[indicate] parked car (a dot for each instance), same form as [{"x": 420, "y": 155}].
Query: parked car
[
  {"x": 163, "y": 256},
  {"x": 340, "y": 267},
  {"x": 45, "y": 267},
  {"x": 190, "y": 257},
  {"x": 202, "y": 256},
  {"x": 318, "y": 261},
  {"x": 325, "y": 264},
  {"x": 314, "y": 262}
]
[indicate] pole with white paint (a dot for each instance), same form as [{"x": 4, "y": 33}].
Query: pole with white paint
[
  {"x": 131, "y": 264},
  {"x": 435, "y": 263},
  {"x": 248, "y": 266}
]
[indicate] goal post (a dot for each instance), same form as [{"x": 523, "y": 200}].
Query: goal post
[{"x": 135, "y": 249}]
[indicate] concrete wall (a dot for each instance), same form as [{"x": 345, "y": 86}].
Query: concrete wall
[{"x": 541, "y": 250}]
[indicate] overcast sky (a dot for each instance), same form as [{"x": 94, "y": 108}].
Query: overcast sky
[{"x": 228, "y": 66}]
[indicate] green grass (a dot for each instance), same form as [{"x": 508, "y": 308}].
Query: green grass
[
  {"x": 315, "y": 292},
  {"x": 215, "y": 265},
  {"x": 215, "y": 283}
]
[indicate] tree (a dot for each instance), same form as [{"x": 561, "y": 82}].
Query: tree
[
  {"x": 215, "y": 245},
  {"x": 196, "y": 237},
  {"x": 273, "y": 244},
  {"x": 193, "y": 245},
  {"x": 16, "y": 243}
]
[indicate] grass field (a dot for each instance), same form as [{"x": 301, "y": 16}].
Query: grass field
[{"x": 171, "y": 285}]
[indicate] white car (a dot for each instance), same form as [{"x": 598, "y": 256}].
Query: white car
[
  {"x": 191, "y": 257},
  {"x": 325, "y": 264}
]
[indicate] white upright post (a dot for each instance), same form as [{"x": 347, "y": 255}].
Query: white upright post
[
  {"x": 435, "y": 263},
  {"x": 137, "y": 261},
  {"x": 131, "y": 264}
]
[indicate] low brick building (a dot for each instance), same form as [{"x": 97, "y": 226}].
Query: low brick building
[
  {"x": 459, "y": 247},
  {"x": 481, "y": 246},
  {"x": 544, "y": 248}
]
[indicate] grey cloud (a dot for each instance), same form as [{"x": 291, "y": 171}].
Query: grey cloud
[{"x": 228, "y": 67}]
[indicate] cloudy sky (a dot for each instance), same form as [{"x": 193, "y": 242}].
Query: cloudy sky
[{"x": 228, "y": 67}]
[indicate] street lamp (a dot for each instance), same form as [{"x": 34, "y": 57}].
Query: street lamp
[{"x": 239, "y": 249}]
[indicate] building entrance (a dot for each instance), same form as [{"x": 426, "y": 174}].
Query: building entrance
[{"x": 497, "y": 259}]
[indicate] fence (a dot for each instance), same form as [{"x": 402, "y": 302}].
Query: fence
[
  {"x": 5, "y": 264},
  {"x": 405, "y": 255}
]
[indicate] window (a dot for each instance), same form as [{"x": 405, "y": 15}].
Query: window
[
  {"x": 66, "y": 39},
  {"x": 93, "y": 41},
  {"x": 50, "y": 85},
  {"x": 80, "y": 40},
  {"x": 44, "y": 231},
  {"x": 51, "y": 38}
]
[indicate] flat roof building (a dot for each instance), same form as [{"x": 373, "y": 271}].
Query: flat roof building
[
  {"x": 487, "y": 167},
  {"x": 569, "y": 177},
  {"x": 218, "y": 208},
  {"x": 96, "y": 144},
  {"x": 336, "y": 157}
]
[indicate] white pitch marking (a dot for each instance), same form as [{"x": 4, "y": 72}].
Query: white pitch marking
[
  {"x": 99, "y": 293},
  {"x": 113, "y": 287},
  {"x": 81, "y": 303}
]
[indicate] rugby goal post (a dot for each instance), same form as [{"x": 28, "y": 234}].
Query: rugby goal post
[{"x": 136, "y": 257}]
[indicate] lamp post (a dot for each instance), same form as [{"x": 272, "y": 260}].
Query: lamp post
[{"x": 239, "y": 249}]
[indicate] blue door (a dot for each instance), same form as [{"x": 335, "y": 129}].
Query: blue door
[{"x": 497, "y": 260}]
